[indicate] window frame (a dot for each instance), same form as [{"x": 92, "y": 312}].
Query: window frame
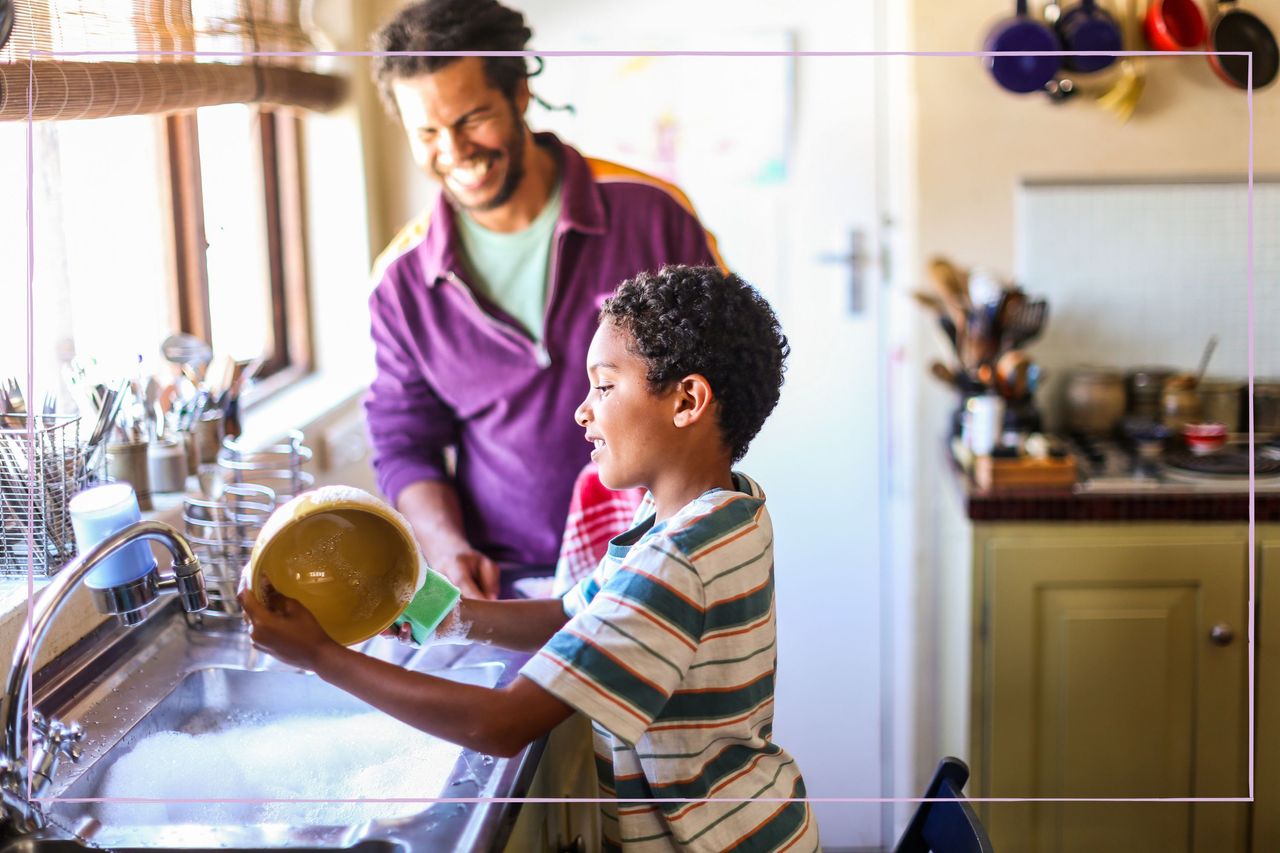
[{"x": 291, "y": 354}]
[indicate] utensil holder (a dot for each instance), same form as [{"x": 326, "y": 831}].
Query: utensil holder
[
  {"x": 39, "y": 474},
  {"x": 127, "y": 462},
  {"x": 279, "y": 467},
  {"x": 167, "y": 465},
  {"x": 222, "y": 530},
  {"x": 208, "y": 435}
]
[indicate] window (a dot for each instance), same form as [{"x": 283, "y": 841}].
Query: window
[{"x": 147, "y": 225}]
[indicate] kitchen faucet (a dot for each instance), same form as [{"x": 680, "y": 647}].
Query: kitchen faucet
[{"x": 51, "y": 740}]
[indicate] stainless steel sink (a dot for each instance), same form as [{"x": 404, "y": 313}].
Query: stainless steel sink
[{"x": 236, "y": 723}]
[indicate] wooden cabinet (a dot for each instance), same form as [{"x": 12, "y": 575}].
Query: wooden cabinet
[
  {"x": 1110, "y": 661},
  {"x": 1266, "y": 805}
]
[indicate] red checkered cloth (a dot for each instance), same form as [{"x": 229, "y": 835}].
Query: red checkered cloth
[{"x": 596, "y": 515}]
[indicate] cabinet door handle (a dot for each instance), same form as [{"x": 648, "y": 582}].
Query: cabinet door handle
[{"x": 1221, "y": 634}]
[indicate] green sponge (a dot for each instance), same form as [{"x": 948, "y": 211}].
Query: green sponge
[{"x": 429, "y": 606}]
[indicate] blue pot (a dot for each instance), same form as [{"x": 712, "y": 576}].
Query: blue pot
[
  {"x": 1022, "y": 74},
  {"x": 1086, "y": 27}
]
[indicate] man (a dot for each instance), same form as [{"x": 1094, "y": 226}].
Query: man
[{"x": 485, "y": 305}]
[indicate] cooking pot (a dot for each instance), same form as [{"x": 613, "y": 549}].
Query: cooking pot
[
  {"x": 1238, "y": 31},
  {"x": 1095, "y": 400},
  {"x": 1021, "y": 34},
  {"x": 1175, "y": 25},
  {"x": 1088, "y": 28}
]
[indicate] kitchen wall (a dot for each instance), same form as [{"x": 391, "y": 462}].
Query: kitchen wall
[
  {"x": 1144, "y": 274},
  {"x": 977, "y": 145}
]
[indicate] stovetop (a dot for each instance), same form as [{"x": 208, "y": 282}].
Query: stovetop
[{"x": 1111, "y": 466}]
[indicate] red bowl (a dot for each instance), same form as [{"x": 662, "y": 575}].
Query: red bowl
[{"x": 1205, "y": 438}]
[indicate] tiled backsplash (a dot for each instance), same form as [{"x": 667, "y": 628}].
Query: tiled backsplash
[{"x": 1143, "y": 274}]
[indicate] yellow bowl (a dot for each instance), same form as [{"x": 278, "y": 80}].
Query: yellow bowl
[{"x": 344, "y": 554}]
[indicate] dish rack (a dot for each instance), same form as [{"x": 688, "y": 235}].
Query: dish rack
[
  {"x": 39, "y": 474},
  {"x": 279, "y": 467},
  {"x": 223, "y": 524}
]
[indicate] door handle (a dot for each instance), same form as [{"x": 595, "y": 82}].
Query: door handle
[
  {"x": 854, "y": 259},
  {"x": 1221, "y": 634}
]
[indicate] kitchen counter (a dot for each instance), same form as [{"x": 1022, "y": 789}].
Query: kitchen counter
[
  {"x": 1120, "y": 499},
  {"x": 1082, "y": 505}
]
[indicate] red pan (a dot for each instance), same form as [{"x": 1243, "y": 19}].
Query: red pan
[{"x": 1239, "y": 31}]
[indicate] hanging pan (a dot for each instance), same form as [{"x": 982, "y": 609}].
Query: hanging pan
[{"x": 1237, "y": 31}]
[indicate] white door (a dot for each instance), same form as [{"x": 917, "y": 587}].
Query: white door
[{"x": 778, "y": 156}]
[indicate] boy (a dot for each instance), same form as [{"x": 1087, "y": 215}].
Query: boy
[{"x": 669, "y": 646}]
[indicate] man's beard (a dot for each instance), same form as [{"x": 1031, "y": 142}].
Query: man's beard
[{"x": 513, "y": 148}]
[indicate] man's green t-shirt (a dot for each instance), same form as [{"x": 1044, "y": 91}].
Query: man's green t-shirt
[{"x": 512, "y": 269}]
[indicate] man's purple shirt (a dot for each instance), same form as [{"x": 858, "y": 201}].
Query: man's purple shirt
[{"x": 454, "y": 369}]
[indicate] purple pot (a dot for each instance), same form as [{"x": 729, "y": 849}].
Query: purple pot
[
  {"x": 1086, "y": 27},
  {"x": 1019, "y": 34}
]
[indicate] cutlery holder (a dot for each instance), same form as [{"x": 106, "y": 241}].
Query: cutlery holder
[{"x": 39, "y": 474}]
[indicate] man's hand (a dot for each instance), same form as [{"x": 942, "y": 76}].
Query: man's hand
[
  {"x": 471, "y": 572},
  {"x": 285, "y": 629},
  {"x": 434, "y": 513}
]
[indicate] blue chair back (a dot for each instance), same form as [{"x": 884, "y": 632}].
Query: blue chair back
[{"x": 950, "y": 824}]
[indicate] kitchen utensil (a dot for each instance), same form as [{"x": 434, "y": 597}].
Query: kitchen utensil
[
  {"x": 1209, "y": 347},
  {"x": 941, "y": 371},
  {"x": 188, "y": 350},
  {"x": 1175, "y": 25},
  {"x": 1145, "y": 385},
  {"x": 1022, "y": 34},
  {"x": 1205, "y": 437},
  {"x": 1235, "y": 30},
  {"x": 983, "y": 423},
  {"x": 981, "y": 343},
  {"x": 1060, "y": 89},
  {"x": 127, "y": 462},
  {"x": 1148, "y": 437},
  {"x": 952, "y": 286},
  {"x": 166, "y": 466},
  {"x": 1266, "y": 407},
  {"x": 1088, "y": 28},
  {"x": 208, "y": 434},
  {"x": 1121, "y": 98},
  {"x": 1016, "y": 375},
  {"x": 1095, "y": 400},
  {"x": 1025, "y": 324},
  {"x": 1180, "y": 402},
  {"x": 347, "y": 556},
  {"x": 1220, "y": 402}
]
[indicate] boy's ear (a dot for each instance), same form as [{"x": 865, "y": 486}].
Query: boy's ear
[{"x": 693, "y": 400}]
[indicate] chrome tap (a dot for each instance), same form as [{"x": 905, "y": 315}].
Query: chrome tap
[{"x": 51, "y": 741}]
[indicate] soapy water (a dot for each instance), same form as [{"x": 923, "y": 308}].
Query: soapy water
[{"x": 315, "y": 757}]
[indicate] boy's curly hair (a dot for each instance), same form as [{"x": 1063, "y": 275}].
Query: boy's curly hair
[
  {"x": 685, "y": 320},
  {"x": 453, "y": 25}
]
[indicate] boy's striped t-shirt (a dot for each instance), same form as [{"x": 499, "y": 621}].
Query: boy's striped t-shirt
[{"x": 670, "y": 649}]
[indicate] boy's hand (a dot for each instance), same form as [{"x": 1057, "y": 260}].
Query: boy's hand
[
  {"x": 284, "y": 629},
  {"x": 450, "y": 630}
]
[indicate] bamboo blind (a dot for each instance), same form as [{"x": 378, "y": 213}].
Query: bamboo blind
[{"x": 132, "y": 57}]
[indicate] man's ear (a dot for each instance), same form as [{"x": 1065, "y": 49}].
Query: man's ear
[
  {"x": 693, "y": 399},
  {"x": 521, "y": 97}
]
